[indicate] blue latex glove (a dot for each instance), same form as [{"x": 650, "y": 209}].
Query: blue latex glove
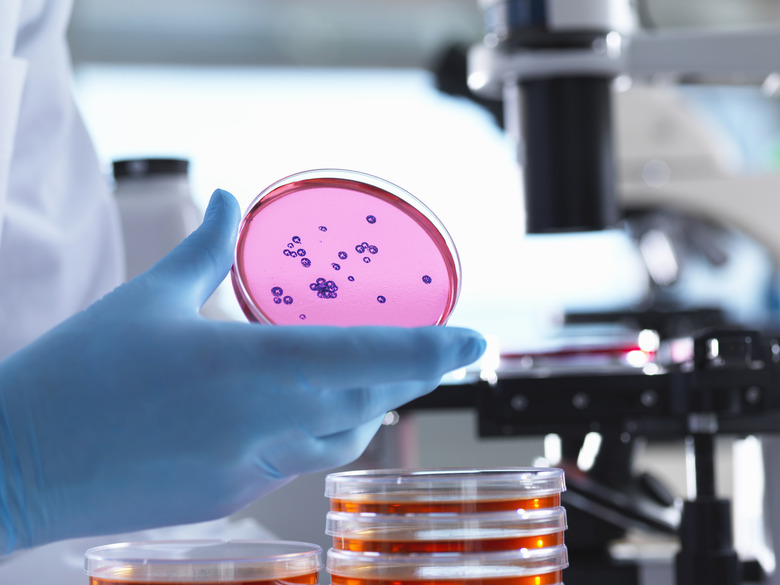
[{"x": 138, "y": 412}]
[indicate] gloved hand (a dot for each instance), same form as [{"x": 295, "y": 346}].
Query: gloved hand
[{"x": 137, "y": 412}]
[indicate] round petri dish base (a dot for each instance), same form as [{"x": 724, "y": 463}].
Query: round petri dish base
[
  {"x": 438, "y": 491},
  {"x": 517, "y": 567},
  {"x": 447, "y": 533},
  {"x": 204, "y": 562},
  {"x": 336, "y": 247}
]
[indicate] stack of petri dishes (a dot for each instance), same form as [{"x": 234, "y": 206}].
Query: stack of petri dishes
[{"x": 447, "y": 526}]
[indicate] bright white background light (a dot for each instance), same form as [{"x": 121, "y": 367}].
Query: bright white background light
[{"x": 245, "y": 128}]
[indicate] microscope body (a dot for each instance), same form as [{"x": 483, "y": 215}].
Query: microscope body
[{"x": 553, "y": 64}]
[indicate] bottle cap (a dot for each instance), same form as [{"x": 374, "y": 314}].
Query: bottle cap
[{"x": 137, "y": 168}]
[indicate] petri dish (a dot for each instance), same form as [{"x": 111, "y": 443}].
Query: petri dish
[
  {"x": 444, "y": 533},
  {"x": 197, "y": 562},
  {"x": 451, "y": 490},
  {"x": 516, "y": 567},
  {"x": 339, "y": 247}
]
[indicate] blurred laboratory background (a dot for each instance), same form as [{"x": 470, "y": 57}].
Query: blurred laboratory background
[{"x": 250, "y": 91}]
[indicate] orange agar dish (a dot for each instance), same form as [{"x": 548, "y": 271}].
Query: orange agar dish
[{"x": 204, "y": 562}]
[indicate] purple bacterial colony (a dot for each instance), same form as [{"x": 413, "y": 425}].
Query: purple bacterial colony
[
  {"x": 363, "y": 247},
  {"x": 325, "y": 289},
  {"x": 277, "y": 293}
]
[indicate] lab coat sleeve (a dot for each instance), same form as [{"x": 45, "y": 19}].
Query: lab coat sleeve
[
  {"x": 60, "y": 240},
  {"x": 12, "y": 76}
]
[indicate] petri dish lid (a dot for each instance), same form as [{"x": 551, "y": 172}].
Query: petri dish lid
[
  {"x": 202, "y": 561},
  {"x": 448, "y": 566},
  {"x": 433, "y": 527},
  {"x": 338, "y": 247},
  {"x": 446, "y": 484}
]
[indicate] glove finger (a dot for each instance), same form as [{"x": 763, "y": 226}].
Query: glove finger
[
  {"x": 194, "y": 269},
  {"x": 340, "y": 410},
  {"x": 353, "y": 357},
  {"x": 322, "y": 453}
]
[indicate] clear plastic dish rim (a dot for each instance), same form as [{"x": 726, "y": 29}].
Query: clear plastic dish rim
[
  {"x": 502, "y": 482},
  {"x": 140, "y": 561},
  {"x": 391, "y": 189},
  {"x": 371, "y": 526},
  {"x": 519, "y": 562}
]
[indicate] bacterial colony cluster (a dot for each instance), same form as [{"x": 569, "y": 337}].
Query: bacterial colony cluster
[
  {"x": 343, "y": 248},
  {"x": 323, "y": 287}
]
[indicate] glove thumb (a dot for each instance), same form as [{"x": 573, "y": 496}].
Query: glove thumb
[{"x": 196, "y": 267}]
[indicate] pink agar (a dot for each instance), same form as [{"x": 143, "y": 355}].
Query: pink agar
[{"x": 343, "y": 248}]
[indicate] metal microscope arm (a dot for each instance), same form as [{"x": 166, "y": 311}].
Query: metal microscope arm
[{"x": 552, "y": 62}]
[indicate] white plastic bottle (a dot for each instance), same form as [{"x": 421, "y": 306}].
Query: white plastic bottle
[{"x": 156, "y": 208}]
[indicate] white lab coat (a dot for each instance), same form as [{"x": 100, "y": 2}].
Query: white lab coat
[{"x": 60, "y": 241}]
